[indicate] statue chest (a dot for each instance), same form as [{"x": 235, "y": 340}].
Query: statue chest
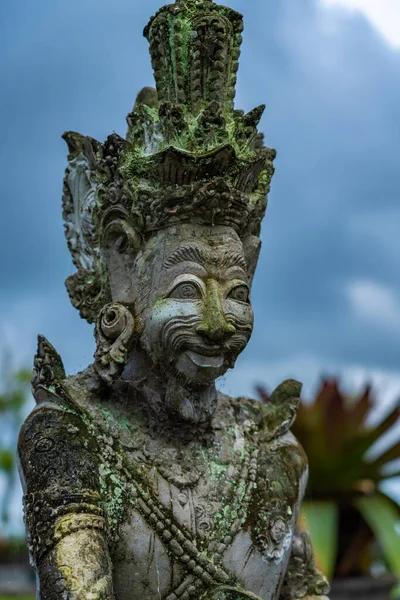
[{"x": 202, "y": 525}]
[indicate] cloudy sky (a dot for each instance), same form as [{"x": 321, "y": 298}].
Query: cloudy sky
[{"x": 327, "y": 292}]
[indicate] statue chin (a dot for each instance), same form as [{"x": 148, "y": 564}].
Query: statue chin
[{"x": 199, "y": 369}]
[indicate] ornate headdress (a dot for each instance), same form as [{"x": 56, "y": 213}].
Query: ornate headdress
[{"x": 188, "y": 155}]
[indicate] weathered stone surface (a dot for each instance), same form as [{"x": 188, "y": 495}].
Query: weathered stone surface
[{"x": 140, "y": 480}]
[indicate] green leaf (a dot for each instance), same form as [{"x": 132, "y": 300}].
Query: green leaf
[
  {"x": 383, "y": 518},
  {"x": 362, "y": 406},
  {"x": 390, "y": 455},
  {"x": 395, "y": 593},
  {"x": 23, "y": 376},
  {"x": 6, "y": 460},
  {"x": 320, "y": 519}
]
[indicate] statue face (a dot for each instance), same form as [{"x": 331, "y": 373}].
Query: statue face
[{"x": 196, "y": 317}]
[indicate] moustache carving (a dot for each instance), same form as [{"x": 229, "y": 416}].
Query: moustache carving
[
  {"x": 239, "y": 340},
  {"x": 180, "y": 333}
]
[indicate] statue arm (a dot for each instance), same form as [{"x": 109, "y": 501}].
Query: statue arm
[
  {"x": 66, "y": 525},
  {"x": 303, "y": 579}
]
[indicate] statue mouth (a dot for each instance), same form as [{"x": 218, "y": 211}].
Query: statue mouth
[
  {"x": 206, "y": 361},
  {"x": 212, "y": 351}
]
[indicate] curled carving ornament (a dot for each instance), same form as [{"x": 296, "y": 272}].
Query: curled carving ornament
[
  {"x": 88, "y": 288},
  {"x": 114, "y": 333}
]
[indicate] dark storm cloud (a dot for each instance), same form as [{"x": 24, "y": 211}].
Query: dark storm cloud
[{"x": 333, "y": 95}]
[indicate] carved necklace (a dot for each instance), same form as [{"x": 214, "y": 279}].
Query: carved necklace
[{"x": 203, "y": 565}]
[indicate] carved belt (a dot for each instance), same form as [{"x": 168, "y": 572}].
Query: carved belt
[{"x": 205, "y": 573}]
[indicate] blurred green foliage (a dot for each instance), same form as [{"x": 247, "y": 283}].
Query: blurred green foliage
[{"x": 14, "y": 392}]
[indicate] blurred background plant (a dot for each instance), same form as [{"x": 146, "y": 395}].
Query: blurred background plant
[
  {"x": 354, "y": 525},
  {"x": 15, "y": 573},
  {"x": 14, "y": 393}
]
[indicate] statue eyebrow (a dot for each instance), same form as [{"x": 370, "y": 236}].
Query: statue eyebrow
[
  {"x": 194, "y": 253},
  {"x": 233, "y": 259},
  {"x": 189, "y": 252}
]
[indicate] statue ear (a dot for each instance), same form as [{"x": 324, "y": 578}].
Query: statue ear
[
  {"x": 120, "y": 244},
  {"x": 115, "y": 333},
  {"x": 251, "y": 248},
  {"x": 121, "y": 237}
]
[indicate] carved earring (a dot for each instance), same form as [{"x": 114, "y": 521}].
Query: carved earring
[{"x": 114, "y": 333}]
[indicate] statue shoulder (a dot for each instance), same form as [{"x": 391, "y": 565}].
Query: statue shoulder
[
  {"x": 239, "y": 411},
  {"x": 272, "y": 420},
  {"x": 279, "y": 413},
  {"x": 56, "y": 431},
  {"x": 56, "y": 451},
  {"x": 50, "y": 425}
]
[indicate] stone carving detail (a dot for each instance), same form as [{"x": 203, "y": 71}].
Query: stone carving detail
[
  {"x": 114, "y": 335},
  {"x": 188, "y": 155},
  {"x": 48, "y": 369},
  {"x": 50, "y": 519},
  {"x": 141, "y": 480},
  {"x": 303, "y": 578},
  {"x": 274, "y": 535}
]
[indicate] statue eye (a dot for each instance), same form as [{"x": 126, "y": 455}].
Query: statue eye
[
  {"x": 186, "y": 291},
  {"x": 240, "y": 293}
]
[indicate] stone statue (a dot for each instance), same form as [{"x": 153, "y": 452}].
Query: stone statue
[{"x": 141, "y": 481}]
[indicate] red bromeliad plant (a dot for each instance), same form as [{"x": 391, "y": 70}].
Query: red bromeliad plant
[{"x": 346, "y": 512}]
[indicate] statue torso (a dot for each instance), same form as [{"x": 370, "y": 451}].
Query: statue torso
[{"x": 194, "y": 511}]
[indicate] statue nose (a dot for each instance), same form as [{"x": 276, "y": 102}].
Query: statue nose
[
  {"x": 214, "y": 325},
  {"x": 218, "y": 333}
]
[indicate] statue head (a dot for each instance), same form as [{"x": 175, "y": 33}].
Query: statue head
[{"x": 164, "y": 225}]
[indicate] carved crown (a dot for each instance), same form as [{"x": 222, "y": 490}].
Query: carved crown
[{"x": 188, "y": 156}]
